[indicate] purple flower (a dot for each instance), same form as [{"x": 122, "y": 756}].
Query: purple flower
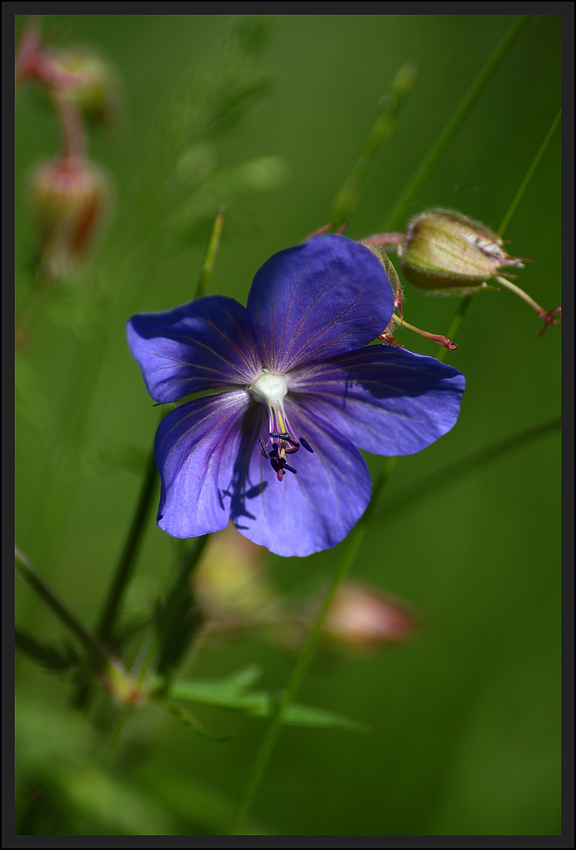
[{"x": 285, "y": 392}]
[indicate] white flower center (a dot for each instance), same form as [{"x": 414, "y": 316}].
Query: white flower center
[{"x": 269, "y": 389}]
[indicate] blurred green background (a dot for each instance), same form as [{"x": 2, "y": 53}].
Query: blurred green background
[{"x": 468, "y": 716}]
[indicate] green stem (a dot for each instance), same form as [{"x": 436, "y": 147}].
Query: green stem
[
  {"x": 175, "y": 628},
  {"x": 465, "y": 303},
  {"x": 351, "y": 549},
  {"x": 471, "y": 463},
  {"x": 455, "y": 325},
  {"x": 456, "y": 121},
  {"x": 528, "y": 176},
  {"x": 211, "y": 251},
  {"x": 390, "y": 107},
  {"x": 521, "y": 294},
  {"x": 88, "y": 641},
  {"x": 129, "y": 554}
]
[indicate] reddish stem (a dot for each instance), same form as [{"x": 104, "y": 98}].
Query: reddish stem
[
  {"x": 438, "y": 338},
  {"x": 385, "y": 239}
]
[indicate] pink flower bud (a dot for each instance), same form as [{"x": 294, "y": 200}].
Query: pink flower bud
[
  {"x": 364, "y": 619},
  {"x": 68, "y": 197},
  {"x": 361, "y": 621}
]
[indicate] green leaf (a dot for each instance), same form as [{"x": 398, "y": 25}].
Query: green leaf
[
  {"x": 230, "y": 694},
  {"x": 189, "y": 719},
  {"x": 231, "y": 687}
]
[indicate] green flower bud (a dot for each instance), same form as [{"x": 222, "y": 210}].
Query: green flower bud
[{"x": 447, "y": 252}]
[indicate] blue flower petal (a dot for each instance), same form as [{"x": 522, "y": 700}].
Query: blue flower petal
[
  {"x": 306, "y": 512},
  {"x": 196, "y": 450},
  {"x": 204, "y": 345},
  {"x": 385, "y": 400},
  {"x": 318, "y": 299}
]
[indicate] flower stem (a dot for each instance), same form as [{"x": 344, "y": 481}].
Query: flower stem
[
  {"x": 471, "y": 463},
  {"x": 528, "y": 176},
  {"x": 211, "y": 251},
  {"x": 73, "y": 134},
  {"x": 95, "y": 650},
  {"x": 456, "y": 121},
  {"x": 176, "y": 625},
  {"x": 390, "y": 107},
  {"x": 129, "y": 554},
  {"x": 439, "y": 338},
  {"x": 523, "y": 295},
  {"x": 351, "y": 549},
  {"x": 465, "y": 303},
  {"x": 551, "y": 317},
  {"x": 455, "y": 325},
  {"x": 123, "y": 574}
]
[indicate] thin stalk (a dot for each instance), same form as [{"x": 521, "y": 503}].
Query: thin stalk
[
  {"x": 124, "y": 569},
  {"x": 127, "y": 561},
  {"x": 390, "y": 107},
  {"x": 455, "y": 325},
  {"x": 455, "y": 123},
  {"x": 351, "y": 549},
  {"x": 73, "y": 134},
  {"x": 471, "y": 463},
  {"x": 528, "y": 176},
  {"x": 129, "y": 553},
  {"x": 179, "y": 620},
  {"x": 94, "y": 648},
  {"x": 523, "y": 295},
  {"x": 211, "y": 251}
]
